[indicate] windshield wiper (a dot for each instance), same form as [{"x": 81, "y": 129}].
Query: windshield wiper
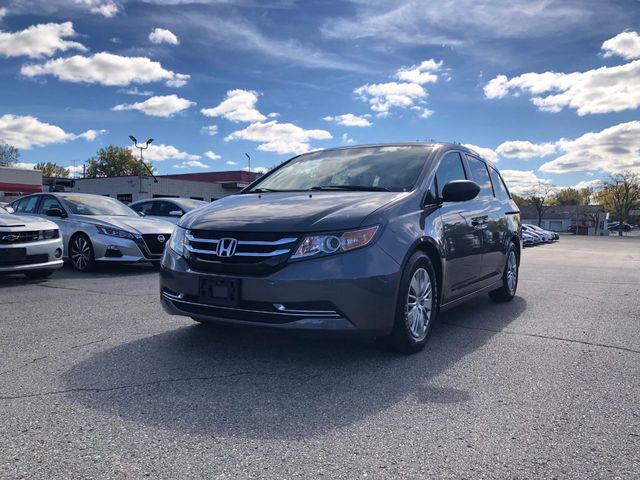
[
  {"x": 356, "y": 188},
  {"x": 262, "y": 190}
]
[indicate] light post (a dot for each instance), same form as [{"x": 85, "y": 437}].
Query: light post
[
  {"x": 249, "y": 158},
  {"x": 141, "y": 148}
]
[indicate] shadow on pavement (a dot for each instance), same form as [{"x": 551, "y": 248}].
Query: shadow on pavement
[{"x": 222, "y": 381}]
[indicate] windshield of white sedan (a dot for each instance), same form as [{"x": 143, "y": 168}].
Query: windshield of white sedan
[
  {"x": 80, "y": 205},
  {"x": 384, "y": 168}
]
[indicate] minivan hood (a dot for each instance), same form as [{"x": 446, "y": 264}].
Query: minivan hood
[
  {"x": 130, "y": 224},
  {"x": 288, "y": 211}
]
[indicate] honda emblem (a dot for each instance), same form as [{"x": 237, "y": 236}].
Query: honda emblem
[{"x": 227, "y": 247}]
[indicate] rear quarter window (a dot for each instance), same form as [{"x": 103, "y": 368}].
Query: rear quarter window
[{"x": 498, "y": 184}]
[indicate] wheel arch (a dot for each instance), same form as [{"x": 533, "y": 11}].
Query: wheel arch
[{"x": 429, "y": 248}]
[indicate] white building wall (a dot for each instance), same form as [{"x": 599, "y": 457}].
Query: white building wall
[
  {"x": 144, "y": 187},
  {"x": 12, "y": 181}
]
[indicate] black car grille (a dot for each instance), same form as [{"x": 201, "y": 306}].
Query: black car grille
[
  {"x": 251, "y": 252},
  {"x": 11, "y": 238},
  {"x": 28, "y": 260},
  {"x": 155, "y": 246}
]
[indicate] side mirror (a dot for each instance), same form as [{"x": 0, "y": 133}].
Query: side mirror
[
  {"x": 56, "y": 212},
  {"x": 176, "y": 213},
  {"x": 460, "y": 191},
  {"x": 9, "y": 209},
  {"x": 141, "y": 213}
]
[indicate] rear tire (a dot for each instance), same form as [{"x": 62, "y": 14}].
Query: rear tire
[
  {"x": 416, "y": 307},
  {"x": 81, "y": 253},
  {"x": 507, "y": 291},
  {"x": 38, "y": 274}
]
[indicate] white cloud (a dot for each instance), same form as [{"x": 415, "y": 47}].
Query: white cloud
[
  {"x": 408, "y": 93},
  {"x": 525, "y": 149},
  {"x": 521, "y": 181},
  {"x": 595, "y": 184},
  {"x": 231, "y": 162},
  {"x": 212, "y": 155},
  {"x": 161, "y": 35},
  {"x": 279, "y": 137},
  {"x": 91, "y": 135},
  {"x": 350, "y": 120},
  {"x": 484, "y": 152},
  {"x": 421, "y": 73},
  {"x": 382, "y": 97},
  {"x": 136, "y": 91},
  {"x": 160, "y": 106},
  {"x": 601, "y": 90},
  {"x": 162, "y": 152},
  {"x": 3, "y": 12},
  {"x": 256, "y": 169},
  {"x": 26, "y": 132},
  {"x": 191, "y": 164},
  {"x": 38, "y": 41},
  {"x": 106, "y": 69},
  {"x": 210, "y": 130},
  {"x": 613, "y": 149},
  {"x": 625, "y": 45},
  {"x": 25, "y": 165},
  {"x": 238, "y": 106},
  {"x": 347, "y": 140},
  {"x": 106, "y": 8}
]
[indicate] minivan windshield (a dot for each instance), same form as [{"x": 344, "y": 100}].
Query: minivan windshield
[
  {"x": 380, "y": 168},
  {"x": 97, "y": 205}
]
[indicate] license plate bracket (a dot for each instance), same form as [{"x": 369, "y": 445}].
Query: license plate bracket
[
  {"x": 220, "y": 291},
  {"x": 13, "y": 255}
]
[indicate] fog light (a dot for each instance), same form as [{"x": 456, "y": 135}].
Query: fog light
[
  {"x": 57, "y": 253},
  {"x": 113, "y": 252}
]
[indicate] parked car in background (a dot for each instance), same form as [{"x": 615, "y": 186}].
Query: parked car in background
[
  {"x": 31, "y": 246},
  {"x": 545, "y": 234},
  {"x": 98, "y": 229},
  {"x": 617, "y": 226},
  {"x": 374, "y": 239},
  {"x": 527, "y": 239},
  {"x": 169, "y": 209}
]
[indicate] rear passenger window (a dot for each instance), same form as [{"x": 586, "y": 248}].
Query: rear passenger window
[
  {"x": 498, "y": 184},
  {"x": 480, "y": 175},
  {"x": 451, "y": 168}
]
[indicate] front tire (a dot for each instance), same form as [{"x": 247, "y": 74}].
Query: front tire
[
  {"x": 81, "y": 253},
  {"x": 507, "y": 291},
  {"x": 38, "y": 274},
  {"x": 416, "y": 308}
]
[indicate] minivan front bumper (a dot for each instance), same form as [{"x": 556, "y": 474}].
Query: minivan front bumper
[{"x": 353, "y": 291}]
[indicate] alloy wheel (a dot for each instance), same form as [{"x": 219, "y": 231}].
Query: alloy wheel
[
  {"x": 419, "y": 304},
  {"x": 512, "y": 272},
  {"x": 80, "y": 253}
]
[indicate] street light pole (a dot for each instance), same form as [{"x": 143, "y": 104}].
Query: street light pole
[
  {"x": 141, "y": 148},
  {"x": 249, "y": 158}
]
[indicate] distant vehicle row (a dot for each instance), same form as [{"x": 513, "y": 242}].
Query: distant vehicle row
[
  {"x": 534, "y": 235},
  {"x": 89, "y": 229}
]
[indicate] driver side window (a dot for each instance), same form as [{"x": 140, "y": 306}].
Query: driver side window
[
  {"x": 47, "y": 204},
  {"x": 450, "y": 168}
]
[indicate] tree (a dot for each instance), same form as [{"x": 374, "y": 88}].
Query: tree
[
  {"x": 51, "y": 169},
  {"x": 9, "y": 155},
  {"x": 571, "y": 196},
  {"x": 114, "y": 161},
  {"x": 540, "y": 197},
  {"x": 621, "y": 193},
  {"x": 520, "y": 200}
]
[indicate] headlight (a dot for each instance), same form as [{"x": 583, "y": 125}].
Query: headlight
[
  {"x": 49, "y": 234},
  {"x": 178, "y": 240},
  {"x": 114, "y": 232},
  {"x": 334, "y": 243}
]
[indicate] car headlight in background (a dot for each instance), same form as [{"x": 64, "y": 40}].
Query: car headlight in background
[
  {"x": 178, "y": 240},
  {"x": 49, "y": 234},
  {"x": 334, "y": 243},
  {"x": 114, "y": 232}
]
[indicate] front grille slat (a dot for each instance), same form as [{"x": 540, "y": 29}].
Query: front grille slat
[
  {"x": 255, "y": 252},
  {"x": 30, "y": 259},
  {"x": 11, "y": 238}
]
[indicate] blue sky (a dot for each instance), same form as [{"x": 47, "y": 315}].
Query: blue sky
[{"x": 549, "y": 89}]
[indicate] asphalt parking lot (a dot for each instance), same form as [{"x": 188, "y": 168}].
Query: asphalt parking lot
[{"x": 96, "y": 381}]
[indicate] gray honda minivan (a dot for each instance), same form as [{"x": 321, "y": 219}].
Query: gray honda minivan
[{"x": 376, "y": 239}]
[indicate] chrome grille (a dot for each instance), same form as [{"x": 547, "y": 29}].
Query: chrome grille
[{"x": 253, "y": 252}]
